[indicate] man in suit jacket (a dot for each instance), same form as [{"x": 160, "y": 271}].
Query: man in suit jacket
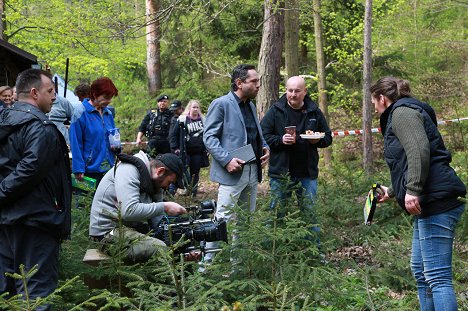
[{"x": 231, "y": 123}]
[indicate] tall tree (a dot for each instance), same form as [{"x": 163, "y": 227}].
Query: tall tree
[
  {"x": 269, "y": 63},
  {"x": 153, "y": 49},
  {"x": 368, "y": 157},
  {"x": 2, "y": 20},
  {"x": 322, "y": 87},
  {"x": 291, "y": 38}
]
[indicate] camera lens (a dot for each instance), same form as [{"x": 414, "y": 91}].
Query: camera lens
[
  {"x": 207, "y": 207},
  {"x": 210, "y": 232}
]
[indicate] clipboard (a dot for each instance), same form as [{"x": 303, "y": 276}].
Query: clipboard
[
  {"x": 371, "y": 204},
  {"x": 245, "y": 153}
]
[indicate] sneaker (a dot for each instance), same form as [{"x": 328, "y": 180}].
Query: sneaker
[
  {"x": 323, "y": 258},
  {"x": 203, "y": 265}
]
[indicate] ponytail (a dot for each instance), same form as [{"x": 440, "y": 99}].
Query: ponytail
[{"x": 391, "y": 87}]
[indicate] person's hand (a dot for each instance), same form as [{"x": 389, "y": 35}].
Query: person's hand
[
  {"x": 288, "y": 139},
  {"x": 174, "y": 209},
  {"x": 266, "y": 156},
  {"x": 139, "y": 142},
  {"x": 412, "y": 204},
  {"x": 177, "y": 151},
  {"x": 235, "y": 165},
  {"x": 193, "y": 256},
  {"x": 314, "y": 141},
  {"x": 79, "y": 176},
  {"x": 382, "y": 194}
]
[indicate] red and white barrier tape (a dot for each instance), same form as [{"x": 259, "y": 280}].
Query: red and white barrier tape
[
  {"x": 132, "y": 142},
  {"x": 378, "y": 130},
  {"x": 349, "y": 132}
]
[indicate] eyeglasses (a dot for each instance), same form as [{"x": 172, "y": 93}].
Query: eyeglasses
[{"x": 252, "y": 81}]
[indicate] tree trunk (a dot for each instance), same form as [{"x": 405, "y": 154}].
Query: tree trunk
[
  {"x": 153, "y": 50},
  {"x": 269, "y": 63},
  {"x": 304, "y": 54},
  {"x": 2, "y": 20},
  {"x": 368, "y": 157},
  {"x": 291, "y": 38},
  {"x": 321, "y": 75}
]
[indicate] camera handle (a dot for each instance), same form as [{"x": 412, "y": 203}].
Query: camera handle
[
  {"x": 155, "y": 221},
  {"x": 205, "y": 250}
]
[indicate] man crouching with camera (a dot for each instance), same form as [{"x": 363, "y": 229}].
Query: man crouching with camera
[{"x": 133, "y": 193}]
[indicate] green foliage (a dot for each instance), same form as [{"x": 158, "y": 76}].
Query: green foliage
[
  {"x": 201, "y": 42},
  {"x": 272, "y": 265},
  {"x": 429, "y": 49},
  {"x": 275, "y": 266},
  {"x": 25, "y": 303}
]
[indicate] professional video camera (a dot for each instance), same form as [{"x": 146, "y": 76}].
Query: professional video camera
[{"x": 193, "y": 230}]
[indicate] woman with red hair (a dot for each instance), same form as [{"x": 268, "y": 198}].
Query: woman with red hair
[{"x": 89, "y": 131}]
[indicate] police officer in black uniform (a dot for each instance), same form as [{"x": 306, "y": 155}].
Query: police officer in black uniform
[
  {"x": 155, "y": 126},
  {"x": 177, "y": 109}
]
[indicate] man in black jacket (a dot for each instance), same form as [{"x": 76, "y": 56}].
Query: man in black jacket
[
  {"x": 294, "y": 159},
  {"x": 35, "y": 188},
  {"x": 155, "y": 126}
]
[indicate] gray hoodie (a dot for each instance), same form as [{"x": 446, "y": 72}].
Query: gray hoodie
[{"x": 122, "y": 191}]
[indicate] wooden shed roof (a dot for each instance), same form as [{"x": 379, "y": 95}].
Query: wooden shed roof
[{"x": 16, "y": 51}]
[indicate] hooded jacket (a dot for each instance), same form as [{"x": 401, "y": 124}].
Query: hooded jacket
[
  {"x": 35, "y": 183},
  {"x": 127, "y": 191},
  {"x": 273, "y": 124}
]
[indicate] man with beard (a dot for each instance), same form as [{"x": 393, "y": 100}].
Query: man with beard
[
  {"x": 232, "y": 123},
  {"x": 133, "y": 191}
]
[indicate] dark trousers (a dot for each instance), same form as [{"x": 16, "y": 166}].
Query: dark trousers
[
  {"x": 28, "y": 246},
  {"x": 195, "y": 162},
  {"x": 158, "y": 145}
]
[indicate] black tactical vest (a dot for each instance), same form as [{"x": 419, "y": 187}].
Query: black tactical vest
[{"x": 159, "y": 124}]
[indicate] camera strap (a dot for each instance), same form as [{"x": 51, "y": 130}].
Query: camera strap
[{"x": 146, "y": 184}]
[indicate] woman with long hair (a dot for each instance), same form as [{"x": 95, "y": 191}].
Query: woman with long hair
[
  {"x": 424, "y": 185},
  {"x": 190, "y": 144}
]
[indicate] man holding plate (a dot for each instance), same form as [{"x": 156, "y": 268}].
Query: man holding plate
[{"x": 294, "y": 127}]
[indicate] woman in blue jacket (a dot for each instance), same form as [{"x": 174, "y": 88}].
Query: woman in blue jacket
[{"x": 89, "y": 131}]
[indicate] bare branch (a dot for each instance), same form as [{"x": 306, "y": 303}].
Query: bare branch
[{"x": 20, "y": 29}]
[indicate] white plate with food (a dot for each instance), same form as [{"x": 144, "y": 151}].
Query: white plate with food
[{"x": 314, "y": 135}]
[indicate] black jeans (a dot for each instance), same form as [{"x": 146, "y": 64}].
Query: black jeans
[
  {"x": 20, "y": 244},
  {"x": 158, "y": 145},
  {"x": 194, "y": 161}
]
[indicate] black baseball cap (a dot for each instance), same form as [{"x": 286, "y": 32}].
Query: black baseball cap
[
  {"x": 174, "y": 163},
  {"x": 163, "y": 97},
  {"x": 176, "y": 104}
]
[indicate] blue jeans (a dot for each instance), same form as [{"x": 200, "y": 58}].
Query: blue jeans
[
  {"x": 431, "y": 259},
  {"x": 306, "y": 190}
]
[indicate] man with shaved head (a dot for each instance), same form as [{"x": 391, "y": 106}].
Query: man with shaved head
[{"x": 293, "y": 159}]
